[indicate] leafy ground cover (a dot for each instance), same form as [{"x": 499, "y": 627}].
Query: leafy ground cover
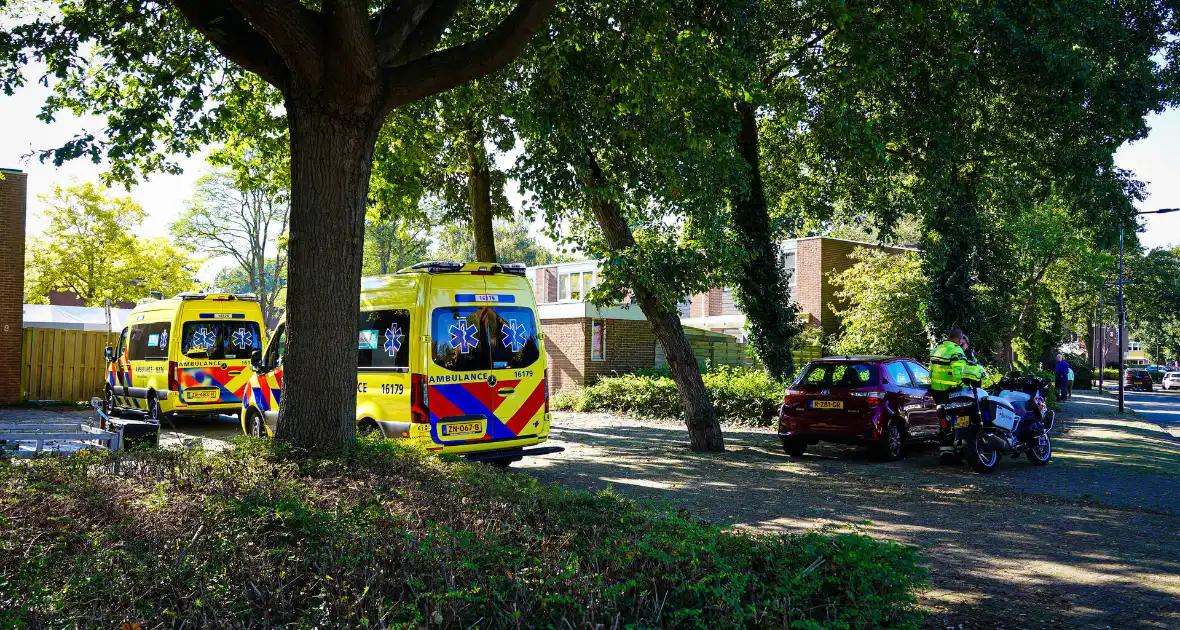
[
  {"x": 741, "y": 396},
  {"x": 388, "y": 536}
]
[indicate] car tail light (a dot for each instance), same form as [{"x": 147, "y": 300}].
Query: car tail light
[
  {"x": 419, "y": 404},
  {"x": 874, "y": 398},
  {"x": 545, "y": 384},
  {"x": 173, "y": 376},
  {"x": 792, "y": 396}
]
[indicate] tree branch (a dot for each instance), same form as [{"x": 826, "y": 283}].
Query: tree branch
[
  {"x": 443, "y": 70},
  {"x": 234, "y": 37},
  {"x": 420, "y": 38},
  {"x": 294, "y": 32},
  {"x": 770, "y": 76},
  {"x": 351, "y": 39}
]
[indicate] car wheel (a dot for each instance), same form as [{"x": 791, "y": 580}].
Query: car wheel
[
  {"x": 888, "y": 448},
  {"x": 153, "y": 411},
  {"x": 794, "y": 447},
  {"x": 108, "y": 402},
  {"x": 257, "y": 426}
]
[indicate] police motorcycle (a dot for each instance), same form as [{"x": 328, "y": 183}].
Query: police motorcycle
[{"x": 1008, "y": 420}]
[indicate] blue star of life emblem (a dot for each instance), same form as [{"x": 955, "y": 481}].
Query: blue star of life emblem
[
  {"x": 203, "y": 338},
  {"x": 163, "y": 338},
  {"x": 242, "y": 338},
  {"x": 515, "y": 335},
  {"x": 463, "y": 337},
  {"x": 393, "y": 340}
]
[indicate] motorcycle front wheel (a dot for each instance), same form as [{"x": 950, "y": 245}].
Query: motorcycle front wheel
[
  {"x": 979, "y": 454},
  {"x": 1040, "y": 449}
]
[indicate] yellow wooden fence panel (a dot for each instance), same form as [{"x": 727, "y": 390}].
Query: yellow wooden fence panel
[{"x": 59, "y": 364}]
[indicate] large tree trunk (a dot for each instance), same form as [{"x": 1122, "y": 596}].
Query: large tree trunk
[
  {"x": 479, "y": 190},
  {"x": 761, "y": 285},
  {"x": 331, "y": 156},
  {"x": 704, "y": 431}
]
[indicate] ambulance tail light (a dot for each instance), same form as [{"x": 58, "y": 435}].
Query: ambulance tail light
[
  {"x": 419, "y": 404},
  {"x": 173, "y": 377}
]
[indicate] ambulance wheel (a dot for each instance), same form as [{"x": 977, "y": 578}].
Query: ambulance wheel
[
  {"x": 153, "y": 409},
  {"x": 257, "y": 427},
  {"x": 108, "y": 402}
]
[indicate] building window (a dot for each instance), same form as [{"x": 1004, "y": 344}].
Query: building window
[
  {"x": 788, "y": 262},
  {"x": 597, "y": 340},
  {"x": 576, "y": 286},
  {"x": 1134, "y": 346}
]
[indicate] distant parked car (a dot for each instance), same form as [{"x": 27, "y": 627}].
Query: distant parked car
[
  {"x": 879, "y": 401},
  {"x": 1171, "y": 380},
  {"x": 1137, "y": 379}
]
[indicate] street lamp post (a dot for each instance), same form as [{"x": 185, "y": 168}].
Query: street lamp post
[{"x": 1122, "y": 309}]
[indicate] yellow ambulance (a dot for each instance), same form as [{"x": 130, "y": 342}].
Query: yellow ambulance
[
  {"x": 450, "y": 356},
  {"x": 188, "y": 355}
]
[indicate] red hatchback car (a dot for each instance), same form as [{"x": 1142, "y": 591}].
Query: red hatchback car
[{"x": 879, "y": 401}]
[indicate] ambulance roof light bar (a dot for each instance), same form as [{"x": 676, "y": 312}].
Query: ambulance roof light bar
[
  {"x": 197, "y": 295},
  {"x": 437, "y": 266}
]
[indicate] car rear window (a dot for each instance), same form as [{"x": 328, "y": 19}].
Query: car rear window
[
  {"x": 220, "y": 339},
  {"x": 838, "y": 375},
  {"x": 472, "y": 338}
]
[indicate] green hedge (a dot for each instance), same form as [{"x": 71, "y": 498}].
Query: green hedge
[
  {"x": 388, "y": 536},
  {"x": 740, "y": 396}
]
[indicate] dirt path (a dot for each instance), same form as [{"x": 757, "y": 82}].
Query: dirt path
[{"x": 1089, "y": 541}]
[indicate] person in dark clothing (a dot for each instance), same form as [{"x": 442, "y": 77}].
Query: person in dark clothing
[{"x": 1061, "y": 374}]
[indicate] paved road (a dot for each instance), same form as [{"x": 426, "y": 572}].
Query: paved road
[{"x": 1160, "y": 407}]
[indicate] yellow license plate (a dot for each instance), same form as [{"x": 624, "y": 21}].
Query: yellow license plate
[
  {"x": 962, "y": 421},
  {"x": 202, "y": 395},
  {"x": 827, "y": 404},
  {"x": 461, "y": 429}
]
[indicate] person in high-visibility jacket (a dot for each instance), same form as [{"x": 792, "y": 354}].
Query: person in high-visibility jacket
[
  {"x": 947, "y": 361},
  {"x": 973, "y": 372}
]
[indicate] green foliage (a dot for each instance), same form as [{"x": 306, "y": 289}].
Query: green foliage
[
  {"x": 89, "y": 248},
  {"x": 1083, "y": 374},
  {"x": 387, "y": 536},
  {"x": 741, "y": 396},
  {"x": 513, "y": 244},
  {"x": 241, "y": 211},
  {"x": 885, "y": 293}
]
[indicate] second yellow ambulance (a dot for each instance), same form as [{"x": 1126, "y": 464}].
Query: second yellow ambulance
[{"x": 450, "y": 356}]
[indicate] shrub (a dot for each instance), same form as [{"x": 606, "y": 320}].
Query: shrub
[
  {"x": 740, "y": 396},
  {"x": 387, "y": 536}
]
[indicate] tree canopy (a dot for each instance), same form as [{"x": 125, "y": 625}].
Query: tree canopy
[{"x": 89, "y": 248}]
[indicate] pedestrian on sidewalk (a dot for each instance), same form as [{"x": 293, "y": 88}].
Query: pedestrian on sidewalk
[
  {"x": 1069, "y": 385},
  {"x": 1062, "y": 376}
]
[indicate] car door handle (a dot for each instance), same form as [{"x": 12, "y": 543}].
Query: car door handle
[{"x": 506, "y": 391}]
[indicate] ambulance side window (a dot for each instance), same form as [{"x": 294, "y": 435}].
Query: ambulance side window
[
  {"x": 156, "y": 337},
  {"x": 274, "y": 353},
  {"x": 383, "y": 340},
  {"x": 137, "y": 346},
  {"x": 122, "y": 343}
]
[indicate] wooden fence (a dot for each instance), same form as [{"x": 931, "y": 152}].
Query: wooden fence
[
  {"x": 61, "y": 364},
  {"x": 712, "y": 348}
]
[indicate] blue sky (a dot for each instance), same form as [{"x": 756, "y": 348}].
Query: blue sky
[{"x": 1156, "y": 160}]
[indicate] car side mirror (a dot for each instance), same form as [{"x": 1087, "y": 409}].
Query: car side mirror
[
  {"x": 256, "y": 361},
  {"x": 109, "y": 353}
]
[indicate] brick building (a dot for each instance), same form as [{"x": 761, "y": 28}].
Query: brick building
[
  {"x": 810, "y": 263},
  {"x": 583, "y": 341},
  {"x": 13, "y": 195}
]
